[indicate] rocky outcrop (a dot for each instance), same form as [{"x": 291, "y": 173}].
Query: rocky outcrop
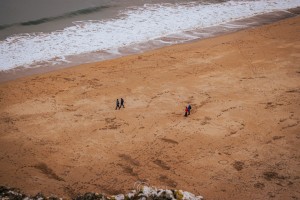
[{"x": 145, "y": 193}]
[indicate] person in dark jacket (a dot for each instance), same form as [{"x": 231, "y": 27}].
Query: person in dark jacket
[
  {"x": 122, "y": 103},
  {"x": 189, "y": 109},
  {"x": 117, "y": 104}
]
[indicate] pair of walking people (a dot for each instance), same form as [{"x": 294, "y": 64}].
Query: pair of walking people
[
  {"x": 187, "y": 110},
  {"x": 120, "y": 103}
]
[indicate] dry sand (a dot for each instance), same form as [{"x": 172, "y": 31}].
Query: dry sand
[{"x": 60, "y": 132}]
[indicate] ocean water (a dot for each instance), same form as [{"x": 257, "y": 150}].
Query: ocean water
[{"x": 37, "y": 33}]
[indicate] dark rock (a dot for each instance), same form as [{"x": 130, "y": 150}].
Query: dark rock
[{"x": 89, "y": 196}]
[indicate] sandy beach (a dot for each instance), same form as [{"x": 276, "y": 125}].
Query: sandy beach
[{"x": 60, "y": 133}]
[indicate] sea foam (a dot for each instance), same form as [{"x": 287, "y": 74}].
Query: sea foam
[{"x": 133, "y": 26}]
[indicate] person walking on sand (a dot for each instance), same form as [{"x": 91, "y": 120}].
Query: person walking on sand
[
  {"x": 189, "y": 109},
  {"x": 122, "y": 103},
  {"x": 117, "y": 104},
  {"x": 186, "y": 111}
]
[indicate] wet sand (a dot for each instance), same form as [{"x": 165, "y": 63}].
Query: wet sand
[
  {"x": 97, "y": 56},
  {"x": 60, "y": 132}
]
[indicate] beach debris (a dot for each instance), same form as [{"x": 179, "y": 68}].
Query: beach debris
[{"x": 143, "y": 193}]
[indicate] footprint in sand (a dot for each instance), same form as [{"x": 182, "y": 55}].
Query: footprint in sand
[
  {"x": 238, "y": 165},
  {"x": 161, "y": 164},
  {"x": 129, "y": 159},
  {"x": 169, "y": 141},
  {"x": 168, "y": 181},
  {"x": 48, "y": 171}
]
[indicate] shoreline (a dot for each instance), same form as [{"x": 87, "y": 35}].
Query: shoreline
[
  {"x": 210, "y": 32},
  {"x": 61, "y": 134}
]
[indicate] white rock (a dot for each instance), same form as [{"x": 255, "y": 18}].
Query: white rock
[
  {"x": 148, "y": 191},
  {"x": 190, "y": 196},
  {"x": 119, "y": 197}
]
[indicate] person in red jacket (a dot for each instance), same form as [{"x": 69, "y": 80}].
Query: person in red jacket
[{"x": 186, "y": 111}]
